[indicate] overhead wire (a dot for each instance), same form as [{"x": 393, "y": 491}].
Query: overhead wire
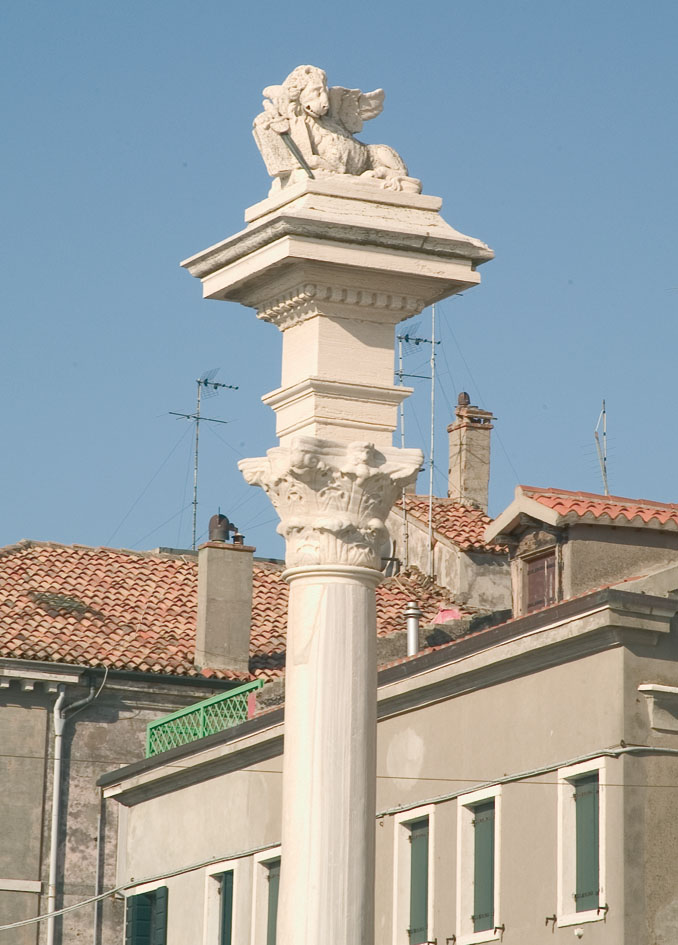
[
  {"x": 524, "y": 778},
  {"x": 147, "y": 487}
]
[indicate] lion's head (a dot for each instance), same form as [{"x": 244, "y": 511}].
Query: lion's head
[{"x": 304, "y": 92}]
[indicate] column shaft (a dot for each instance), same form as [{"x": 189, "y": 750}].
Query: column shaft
[{"x": 327, "y": 880}]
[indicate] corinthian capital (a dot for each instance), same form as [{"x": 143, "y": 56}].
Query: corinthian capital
[{"x": 333, "y": 498}]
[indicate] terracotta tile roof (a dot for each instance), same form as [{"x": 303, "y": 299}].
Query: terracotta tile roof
[
  {"x": 606, "y": 509},
  {"x": 461, "y": 524},
  {"x": 137, "y": 610}
]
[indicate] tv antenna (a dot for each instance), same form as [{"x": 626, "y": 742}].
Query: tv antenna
[
  {"x": 207, "y": 387},
  {"x": 412, "y": 341},
  {"x": 602, "y": 450}
]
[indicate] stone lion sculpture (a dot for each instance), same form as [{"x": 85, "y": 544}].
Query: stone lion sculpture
[{"x": 307, "y": 130}]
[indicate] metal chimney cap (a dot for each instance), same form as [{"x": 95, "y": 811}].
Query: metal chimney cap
[
  {"x": 220, "y": 528},
  {"x": 463, "y": 400},
  {"x": 412, "y": 609}
]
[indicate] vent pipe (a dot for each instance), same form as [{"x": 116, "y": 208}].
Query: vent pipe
[{"x": 413, "y": 615}]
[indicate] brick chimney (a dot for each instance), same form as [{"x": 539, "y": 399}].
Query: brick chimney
[
  {"x": 469, "y": 472},
  {"x": 224, "y": 599}
]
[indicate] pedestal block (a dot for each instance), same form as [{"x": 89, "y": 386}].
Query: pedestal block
[{"x": 336, "y": 264}]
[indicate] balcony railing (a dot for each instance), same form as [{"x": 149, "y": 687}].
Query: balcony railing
[{"x": 203, "y": 718}]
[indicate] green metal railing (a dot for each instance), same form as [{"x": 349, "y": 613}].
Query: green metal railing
[{"x": 203, "y": 718}]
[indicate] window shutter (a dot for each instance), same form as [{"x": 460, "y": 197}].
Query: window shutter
[
  {"x": 138, "y": 920},
  {"x": 226, "y": 922},
  {"x": 587, "y": 827},
  {"x": 159, "y": 916},
  {"x": 418, "y": 930},
  {"x": 483, "y": 866},
  {"x": 273, "y": 888},
  {"x": 541, "y": 581}
]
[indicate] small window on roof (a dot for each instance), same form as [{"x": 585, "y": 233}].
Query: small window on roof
[{"x": 540, "y": 581}]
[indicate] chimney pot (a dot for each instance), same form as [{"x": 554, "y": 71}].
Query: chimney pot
[
  {"x": 469, "y": 472},
  {"x": 220, "y": 528},
  {"x": 225, "y": 574}
]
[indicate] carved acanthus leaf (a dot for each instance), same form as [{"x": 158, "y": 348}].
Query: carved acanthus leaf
[{"x": 333, "y": 498}]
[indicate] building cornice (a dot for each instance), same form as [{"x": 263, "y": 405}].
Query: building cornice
[{"x": 576, "y": 628}]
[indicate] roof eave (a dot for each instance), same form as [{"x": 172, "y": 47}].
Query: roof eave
[{"x": 508, "y": 521}]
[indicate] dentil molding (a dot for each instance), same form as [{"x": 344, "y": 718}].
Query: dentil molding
[{"x": 310, "y": 299}]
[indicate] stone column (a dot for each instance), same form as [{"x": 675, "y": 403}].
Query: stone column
[
  {"x": 335, "y": 263},
  {"x": 332, "y": 499}
]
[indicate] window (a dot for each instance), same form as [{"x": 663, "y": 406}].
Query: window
[
  {"x": 146, "y": 918},
  {"x": 540, "y": 581},
  {"x": 226, "y": 908},
  {"x": 483, "y": 866},
  {"x": 226, "y": 888},
  {"x": 412, "y": 877},
  {"x": 265, "y": 897},
  {"x": 478, "y": 820},
  {"x": 581, "y": 828},
  {"x": 418, "y": 927},
  {"x": 273, "y": 869}
]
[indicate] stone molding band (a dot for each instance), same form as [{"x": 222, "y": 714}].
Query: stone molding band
[
  {"x": 334, "y": 572},
  {"x": 303, "y": 302}
]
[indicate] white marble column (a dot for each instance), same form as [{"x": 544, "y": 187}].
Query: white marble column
[{"x": 332, "y": 499}]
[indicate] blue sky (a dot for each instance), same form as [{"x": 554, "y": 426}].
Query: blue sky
[{"x": 549, "y": 130}]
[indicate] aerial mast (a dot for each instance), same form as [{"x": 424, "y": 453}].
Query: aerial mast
[{"x": 210, "y": 387}]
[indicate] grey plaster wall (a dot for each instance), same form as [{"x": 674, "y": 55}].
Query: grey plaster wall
[
  {"x": 595, "y": 555},
  {"x": 110, "y": 733},
  {"x": 651, "y": 798},
  {"x": 482, "y": 581},
  {"x": 549, "y": 717}
]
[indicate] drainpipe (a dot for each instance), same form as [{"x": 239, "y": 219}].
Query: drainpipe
[
  {"x": 60, "y": 716},
  {"x": 413, "y": 615}
]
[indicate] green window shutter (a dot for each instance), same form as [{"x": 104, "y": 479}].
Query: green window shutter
[
  {"x": 138, "y": 914},
  {"x": 226, "y": 910},
  {"x": 418, "y": 930},
  {"x": 159, "y": 916},
  {"x": 273, "y": 889},
  {"x": 483, "y": 866},
  {"x": 586, "y": 791}
]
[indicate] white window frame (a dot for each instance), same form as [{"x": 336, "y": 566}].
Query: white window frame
[
  {"x": 567, "y": 853},
  {"x": 212, "y": 914},
  {"x": 465, "y": 865},
  {"x": 142, "y": 889},
  {"x": 260, "y": 863},
  {"x": 401, "y": 870}
]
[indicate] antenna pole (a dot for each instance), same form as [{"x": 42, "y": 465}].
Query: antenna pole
[
  {"x": 406, "y": 552},
  {"x": 195, "y": 465},
  {"x": 433, "y": 404},
  {"x": 602, "y": 452}
]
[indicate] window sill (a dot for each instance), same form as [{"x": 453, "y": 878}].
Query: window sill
[
  {"x": 577, "y": 918},
  {"x": 478, "y": 938}
]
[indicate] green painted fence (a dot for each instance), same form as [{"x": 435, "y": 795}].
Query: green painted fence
[{"x": 203, "y": 718}]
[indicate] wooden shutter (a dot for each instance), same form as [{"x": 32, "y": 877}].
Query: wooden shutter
[
  {"x": 138, "y": 915},
  {"x": 418, "y": 930},
  {"x": 159, "y": 916},
  {"x": 226, "y": 909},
  {"x": 587, "y": 840},
  {"x": 540, "y": 583},
  {"x": 273, "y": 889},
  {"x": 483, "y": 866}
]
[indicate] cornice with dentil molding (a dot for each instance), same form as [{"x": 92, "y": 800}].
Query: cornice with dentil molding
[{"x": 310, "y": 299}]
